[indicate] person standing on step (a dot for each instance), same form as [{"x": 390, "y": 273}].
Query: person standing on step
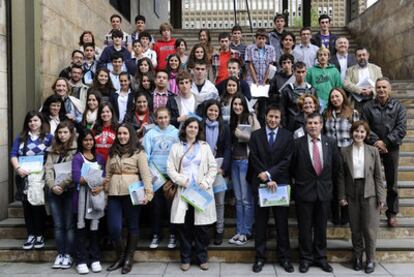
[
  {"x": 324, "y": 36},
  {"x": 32, "y": 141},
  {"x": 127, "y": 164},
  {"x": 269, "y": 160},
  {"x": 157, "y": 143},
  {"x": 314, "y": 168},
  {"x": 361, "y": 187},
  {"x": 61, "y": 188},
  {"x": 275, "y": 36},
  {"x": 191, "y": 163},
  {"x": 164, "y": 46},
  {"x": 217, "y": 134},
  {"x": 387, "y": 120},
  {"x": 338, "y": 119}
]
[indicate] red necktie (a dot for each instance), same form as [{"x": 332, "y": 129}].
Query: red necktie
[{"x": 317, "y": 165}]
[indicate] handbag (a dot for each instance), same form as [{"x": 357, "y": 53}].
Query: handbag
[{"x": 169, "y": 188}]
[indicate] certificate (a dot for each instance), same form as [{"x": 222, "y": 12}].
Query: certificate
[
  {"x": 137, "y": 193},
  {"x": 196, "y": 197},
  {"x": 279, "y": 197},
  {"x": 32, "y": 164},
  {"x": 219, "y": 184},
  {"x": 259, "y": 90},
  {"x": 158, "y": 179}
]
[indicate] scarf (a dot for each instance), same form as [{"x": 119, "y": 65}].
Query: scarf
[
  {"x": 91, "y": 116},
  {"x": 212, "y": 133}
]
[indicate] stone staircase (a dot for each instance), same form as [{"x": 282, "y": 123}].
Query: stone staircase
[{"x": 394, "y": 245}]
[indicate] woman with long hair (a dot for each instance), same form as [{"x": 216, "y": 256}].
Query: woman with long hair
[
  {"x": 32, "y": 141},
  {"x": 89, "y": 204},
  {"x": 93, "y": 101},
  {"x": 191, "y": 163},
  {"x": 242, "y": 123},
  {"x": 181, "y": 48},
  {"x": 217, "y": 134},
  {"x": 127, "y": 164},
  {"x": 103, "y": 83},
  {"x": 173, "y": 68},
  {"x": 338, "y": 119},
  {"x": 144, "y": 67},
  {"x": 87, "y": 37},
  {"x": 61, "y": 188},
  {"x": 231, "y": 89},
  {"x": 141, "y": 115},
  {"x": 123, "y": 99},
  {"x": 104, "y": 129}
]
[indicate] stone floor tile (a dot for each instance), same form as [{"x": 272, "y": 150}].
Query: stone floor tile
[
  {"x": 399, "y": 268},
  {"x": 149, "y": 268},
  {"x": 313, "y": 270},
  {"x": 244, "y": 269},
  {"x": 174, "y": 269}
]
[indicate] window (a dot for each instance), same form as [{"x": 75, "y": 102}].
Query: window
[{"x": 123, "y": 7}]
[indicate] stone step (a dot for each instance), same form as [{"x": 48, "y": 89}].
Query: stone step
[
  {"x": 14, "y": 228},
  {"x": 406, "y": 158},
  {"x": 389, "y": 250},
  {"x": 406, "y": 173},
  {"x": 406, "y": 189}
]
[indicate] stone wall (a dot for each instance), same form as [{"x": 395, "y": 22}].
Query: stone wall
[
  {"x": 387, "y": 29},
  {"x": 153, "y": 21},
  {"x": 4, "y": 148},
  {"x": 62, "y": 22}
]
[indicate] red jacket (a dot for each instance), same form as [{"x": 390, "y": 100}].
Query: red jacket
[{"x": 163, "y": 50}]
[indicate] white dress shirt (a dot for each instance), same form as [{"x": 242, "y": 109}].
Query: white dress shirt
[
  {"x": 343, "y": 64},
  {"x": 358, "y": 161}
]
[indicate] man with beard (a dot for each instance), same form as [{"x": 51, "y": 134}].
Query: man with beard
[{"x": 360, "y": 79}]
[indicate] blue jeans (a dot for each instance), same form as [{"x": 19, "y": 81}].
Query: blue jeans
[
  {"x": 119, "y": 207},
  {"x": 62, "y": 214},
  {"x": 244, "y": 197}
]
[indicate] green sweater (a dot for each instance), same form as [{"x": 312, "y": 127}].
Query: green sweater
[{"x": 323, "y": 80}]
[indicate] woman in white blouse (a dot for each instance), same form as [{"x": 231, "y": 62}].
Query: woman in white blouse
[{"x": 361, "y": 187}]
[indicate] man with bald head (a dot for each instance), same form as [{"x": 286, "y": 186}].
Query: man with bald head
[
  {"x": 342, "y": 59},
  {"x": 387, "y": 119}
]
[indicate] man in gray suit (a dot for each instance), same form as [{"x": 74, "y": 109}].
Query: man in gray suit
[{"x": 360, "y": 79}]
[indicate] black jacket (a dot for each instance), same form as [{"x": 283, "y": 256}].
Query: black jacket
[
  {"x": 289, "y": 101},
  {"x": 171, "y": 106},
  {"x": 274, "y": 159},
  {"x": 130, "y": 103},
  {"x": 388, "y": 123},
  {"x": 308, "y": 186},
  {"x": 316, "y": 40}
]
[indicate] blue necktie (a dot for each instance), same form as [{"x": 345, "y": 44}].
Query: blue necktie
[{"x": 271, "y": 138}]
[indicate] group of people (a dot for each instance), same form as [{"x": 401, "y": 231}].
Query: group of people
[{"x": 140, "y": 107}]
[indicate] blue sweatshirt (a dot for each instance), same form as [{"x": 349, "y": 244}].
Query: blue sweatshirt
[{"x": 157, "y": 144}]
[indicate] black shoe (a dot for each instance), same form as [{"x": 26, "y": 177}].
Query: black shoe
[
  {"x": 325, "y": 266},
  {"x": 258, "y": 266},
  {"x": 357, "y": 264},
  {"x": 370, "y": 267},
  {"x": 303, "y": 266},
  {"x": 287, "y": 266},
  {"x": 218, "y": 240}
]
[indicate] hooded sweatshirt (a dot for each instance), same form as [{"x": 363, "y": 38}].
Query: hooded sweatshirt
[
  {"x": 157, "y": 144},
  {"x": 323, "y": 80}
]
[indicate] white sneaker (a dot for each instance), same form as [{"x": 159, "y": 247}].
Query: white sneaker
[
  {"x": 29, "y": 243},
  {"x": 154, "y": 242},
  {"x": 96, "y": 267},
  {"x": 66, "y": 262},
  {"x": 242, "y": 240},
  {"x": 82, "y": 269},
  {"x": 172, "y": 243},
  {"x": 234, "y": 239},
  {"x": 58, "y": 262}
]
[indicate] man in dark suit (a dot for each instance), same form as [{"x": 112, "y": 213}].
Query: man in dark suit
[
  {"x": 314, "y": 167},
  {"x": 270, "y": 153},
  {"x": 342, "y": 60}
]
